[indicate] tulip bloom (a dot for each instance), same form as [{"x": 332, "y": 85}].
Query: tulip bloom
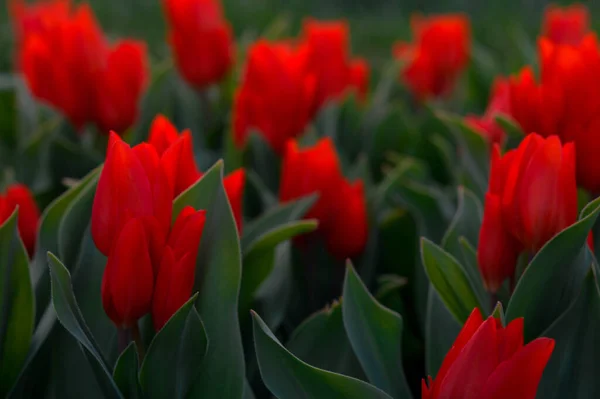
[
  {"x": 567, "y": 25},
  {"x": 276, "y": 95},
  {"x": 499, "y": 102},
  {"x": 200, "y": 39},
  {"x": 329, "y": 61},
  {"x": 341, "y": 206},
  {"x": 440, "y": 52},
  {"x": 18, "y": 195},
  {"x": 565, "y": 102},
  {"x": 531, "y": 197},
  {"x": 488, "y": 361},
  {"x": 67, "y": 62}
]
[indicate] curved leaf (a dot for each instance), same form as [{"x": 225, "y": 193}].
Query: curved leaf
[{"x": 126, "y": 373}]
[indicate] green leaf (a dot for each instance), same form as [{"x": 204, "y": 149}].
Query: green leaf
[
  {"x": 126, "y": 373},
  {"x": 553, "y": 278},
  {"x": 17, "y": 311},
  {"x": 510, "y": 126},
  {"x": 218, "y": 275},
  {"x": 498, "y": 313},
  {"x": 175, "y": 356},
  {"x": 375, "y": 334},
  {"x": 450, "y": 280},
  {"x": 283, "y": 232},
  {"x": 441, "y": 330},
  {"x": 70, "y": 316},
  {"x": 264, "y": 160},
  {"x": 572, "y": 369},
  {"x": 288, "y": 377}
]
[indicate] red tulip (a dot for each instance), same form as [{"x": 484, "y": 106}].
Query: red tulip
[
  {"x": 18, "y": 195},
  {"x": 276, "y": 94},
  {"x": 488, "y": 361},
  {"x": 499, "y": 103},
  {"x": 340, "y": 207},
  {"x": 440, "y": 52},
  {"x": 235, "y": 183},
  {"x": 128, "y": 281},
  {"x": 565, "y": 102},
  {"x": 566, "y": 25},
  {"x": 329, "y": 61},
  {"x": 200, "y": 39},
  {"x": 175, "y": 279},
  {"x": 68, "y": 63}
]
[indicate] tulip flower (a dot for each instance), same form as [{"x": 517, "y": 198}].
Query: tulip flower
[
  {"x": 566, "y": 25},
  {"x": 329, "y": 61},
  {"x": 200, "y": 39},
  {"x": 531, "y": 197},
  {"x": 67, "y": 62},
  {"x": 18, "y": 195},
  {"x": 340, "y": 207},
  {"x": 276, "y": 95},
  {"x": 441, "y": 50},
  {"x": 488, "y": 361},
  {"x": 499, "y": 103}
]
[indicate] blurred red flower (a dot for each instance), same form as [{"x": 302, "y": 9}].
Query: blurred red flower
[
  {"x": 19, "y": 195},
  {"x": 566, "y": 25},
  {"x": 441, "y": 50},
  {"x": 488, "y": 361},
  {"x": 276, "y": 95},
  {"x": 341, "y": 205},
  {"x": 68, "y": 63},
  {"x": 201, "y": 40},
  {"x": 499, "y": 103}
]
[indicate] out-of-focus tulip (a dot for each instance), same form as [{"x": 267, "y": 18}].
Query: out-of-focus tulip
[
  {"x": 565, "y": 102},
  {"x": 341, "y": 206},
  {"x": 330, "y": 63},
  {"x": 566, "y": 25},
  {"x": 499, "y": 103},
  {"x": 18, "y": 195},
  {"x": 488, "y": 361},
  {"x": 68, "y": 63},
  {"x": 532, "y": 196},
  {"x": 200, "y": 39},
  {"x": 175, "y": 279},
  {"x": 276, "y": 95},
  {"x": 234, "y": 184},
  {"x": 440, "y": 52}
]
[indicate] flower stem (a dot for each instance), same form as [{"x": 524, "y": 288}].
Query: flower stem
[
  {"x": 137, "y": 338},
  {"x": 123, "y": 339}
]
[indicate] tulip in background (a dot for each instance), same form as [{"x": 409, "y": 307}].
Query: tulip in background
[
  {"x": 499, "y": 104},
  {"x": 200, "y": 39},
  {"x": 567, "y": 25},
  {"x": 68, "y": 63},
  {"x": 18, "y": 195},
  {"x": 531, "y": 196},
  {"x": 489, "y": 361},
  {"x": 341, "y": 206},
  {"x": 440, "y": 52}
]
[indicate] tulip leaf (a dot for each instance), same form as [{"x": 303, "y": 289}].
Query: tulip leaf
[
  {"x": 288, "y": 377},
  {"x": 552, "y": 280},
  {"x": 510, "y": 126},
  {"x": 441, "y": 330},
  {"x": 218, "y": 276},
  {"x": 17, "y": 308},
  {"x": 283, "y": 232},
  {"x": 175, "y": 356},
  {"x": 264, "y": 160},
  {"x": 571, "y": 371},
  {"x": 375, "y": 334},
  {"x": 125, "y": 373},
  {"x": 450, "y": 280},
  {"x": 70, "y": 317}
]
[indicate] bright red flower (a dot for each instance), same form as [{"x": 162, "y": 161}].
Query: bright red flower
[
  {"x": 276, "y": 94},
  {"x": 566, "y": 25},
  {"x": 488, "y": 361},
  {"x": 175, "y": 279},
  {"x": 531, "y": 197},
  {"x": 340, "y": 208},
  {"x": 68, "y": 63},
  {"x": 499, "y": 103},
  {"x": 18, "y": 195},
  {"x": 200, "y": 39},
  {"x": 565, "y": 102},
  {"x": 330, "y": 63},
  {"x": 440, "y": 52},
  {"x": 234, "y": 184}
]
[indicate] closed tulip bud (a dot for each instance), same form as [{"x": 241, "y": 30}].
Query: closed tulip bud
[
  {"x": 566, "y": 25},
  {"x": 276, "y": 95},
  {"x": 440, "y": 52},
  {"x": 200, "y": 39},
  {"x": 128, "y": 281},
  {"x": 175, "y": 279},
  {"x": 162, "y": 134},
  {"x": 18, "y": 195},
  {"x": 359, "y": 78},
  {"x": 489, "y": 361}
]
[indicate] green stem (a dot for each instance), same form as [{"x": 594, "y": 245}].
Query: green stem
[{"x": 137, "y": 338}]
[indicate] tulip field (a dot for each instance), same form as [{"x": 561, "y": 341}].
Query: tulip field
[{"x": 226, "y": 199}]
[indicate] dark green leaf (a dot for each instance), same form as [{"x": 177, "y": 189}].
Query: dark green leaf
[
  {"x": 126, "y": 373},
  {"x": 441, "y": 329}
]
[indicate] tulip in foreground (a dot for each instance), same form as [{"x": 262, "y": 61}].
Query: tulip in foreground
[{"x": 488, "y": 361}]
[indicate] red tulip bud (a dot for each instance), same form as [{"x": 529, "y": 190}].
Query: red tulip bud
[
  {"x": 566, "y": 25},
  {"x": 18, "y": 195}
]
